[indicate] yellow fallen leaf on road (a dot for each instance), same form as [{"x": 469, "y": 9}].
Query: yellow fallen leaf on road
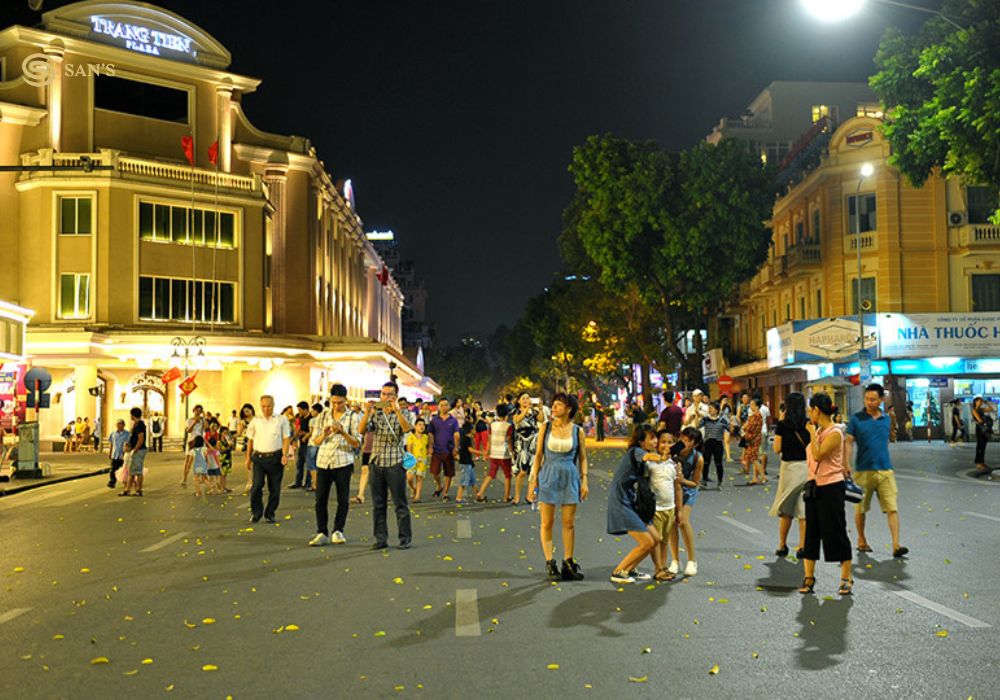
[
  {"x": 398, "y": 581},
  {"x": 208, "y": 621},
  {"x": 18, "y": 569},
  {"x": 941, "y": 633},
  {"x": 84, "y": 570},
  {"x": 146, "y": 662},
  {"x": 714, "y": 671},
  {"x": 209, "y": 667},
  {"x": 380, "y": 633},
  {"x": 638, "y": 679},
  {"x": 133, "y": 672},
  {"x": 189, "y": 625},
  {"x": 291, "y": 628},
  {"x": 59, "y": 636},
  {"x": 446, "y": 557},
  {"x": 553, "y": 667},
  {"x": 100, "y": 660},
  {"x": 169, "y": 687}
]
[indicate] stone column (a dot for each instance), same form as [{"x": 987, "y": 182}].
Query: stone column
[
  {"x": 276, "y": 176},
  {"x": 224, "y": 93},
  {"x": 53, "y": 101}
]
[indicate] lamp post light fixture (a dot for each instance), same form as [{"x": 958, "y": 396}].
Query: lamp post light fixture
[
  {"x": 839, "y": 10},
  {"x": 867, "y": 170},
  {"x": 185, "y": 352}
]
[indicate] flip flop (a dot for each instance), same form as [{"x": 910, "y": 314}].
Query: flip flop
[{"x": 864, "y": 548}]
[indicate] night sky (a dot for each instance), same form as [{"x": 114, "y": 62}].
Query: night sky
[{"x": 456, "y": 120}]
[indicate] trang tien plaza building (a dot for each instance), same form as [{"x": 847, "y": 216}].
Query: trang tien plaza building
[{"x": 151, "y": 225}]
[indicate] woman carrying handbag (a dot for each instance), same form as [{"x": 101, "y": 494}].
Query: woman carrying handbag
[{"x": 826, "y": 522}]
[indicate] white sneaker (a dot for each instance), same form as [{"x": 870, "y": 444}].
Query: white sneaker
[
  {"x": 319, "y": 540},
  {"x": 675, "y": 567},
  {"x": 338, "y": 538},
  {"x": 691, "y": 569},
  {"x": 621, "y": 577},
  {"x": 640, "y": 575}
]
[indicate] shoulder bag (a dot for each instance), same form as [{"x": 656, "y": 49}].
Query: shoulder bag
[{"x": 645, "y": 499}]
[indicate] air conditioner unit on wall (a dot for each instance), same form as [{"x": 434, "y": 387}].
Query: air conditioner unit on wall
[{"x": 958, "y": 218}]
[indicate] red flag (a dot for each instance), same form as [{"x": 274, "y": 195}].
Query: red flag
[
  {"x": 170, "y": 375},
  {"x": 187, "y": 143},
  {"x": 383, "y": 276},
  {"x": 213, "y": 153},
  {"x": 188, "y": 385}
]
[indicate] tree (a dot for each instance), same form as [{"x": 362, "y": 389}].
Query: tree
[
  {"x": 462, "y": 370},
  {"x": 670, "y": 235},
  {"x": 941, "y": 93}
]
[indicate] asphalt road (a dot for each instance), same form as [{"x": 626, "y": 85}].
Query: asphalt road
[{"x": 181, "y": 595}]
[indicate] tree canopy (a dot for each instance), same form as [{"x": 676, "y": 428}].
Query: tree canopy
[{"x": 941, "y": 92}]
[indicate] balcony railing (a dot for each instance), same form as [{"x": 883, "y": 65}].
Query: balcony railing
[
  {"x": 869, "y": 241},
  {"x": 804, "y": 255},
  {"x": 129, "y": 167},
  {"x": 979, "y": 235},
  {"x": 779, "y": 266}
]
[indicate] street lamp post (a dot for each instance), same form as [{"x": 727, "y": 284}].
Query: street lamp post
[
  {"x": 866, "y": 171},
  {"x": 184, "y": 351}
]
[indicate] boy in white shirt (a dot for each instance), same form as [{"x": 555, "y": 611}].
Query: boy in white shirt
[{"x": 667, "y": 489}]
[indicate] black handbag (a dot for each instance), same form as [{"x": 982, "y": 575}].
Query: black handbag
[{"x": 809, "y": 491}]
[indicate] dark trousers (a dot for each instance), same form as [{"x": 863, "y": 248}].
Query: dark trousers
[
  {"x": 115, "y": 466},
  {"x": 982, "y": 437},
  {"x": 325, "y": 478},
  {"x": 600, "y": 428},
  {"x": 713, "y": 450},
  {"x": 387, "y": 480},
  {"x": 273, "y": 470},
  {"x": 157, "y": 444},
  {"x": 826, "y": 523},
  {"x": 300, "y": 464}
]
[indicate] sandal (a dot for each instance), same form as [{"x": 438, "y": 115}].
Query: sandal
[
  {"x": 808, "y": 583},
  {"x": 664, "y": 575},
  {"x": 436, "y": 493},
  {"x": 864, "y": 548},
  {"x": 358, "y": 499},
  {"x": 846, "y": 586},
  {"x": 781, "y": 551},
  {"x": 480, "y": 499}
]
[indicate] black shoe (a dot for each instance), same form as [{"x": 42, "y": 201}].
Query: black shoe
[
  {"x": 270, "y": 519},
  {"x": 571, "y": 570},
  {"x": 112, "y": 484},
  {"x": 782, "y": 552},
  {"x": 799, "y": 552},
  {"x": 404, "y": 545},
  {"x": 255, "y": 519},
  {"x": 901, "y": 552},
  {"x": 380, "y": 545},
  {"x": 295, "y": 486},
  {"x": 553, "y": 570}
]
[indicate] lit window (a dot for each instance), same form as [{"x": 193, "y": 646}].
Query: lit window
[
  {"x": 75, "y": 216},
  {"x": 163, "y": 299},
  {"x": 186, "y": 226},
  {"x": 986, "y": 292},
  {"x": 867, "y": 219},
  {"x": 74, "y": 295},
  {"x": 870, "y": 109},
  {"x": 820, "y": 111}
]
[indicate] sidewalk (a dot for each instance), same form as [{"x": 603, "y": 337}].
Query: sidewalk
[{"x": 66, "y": 466}]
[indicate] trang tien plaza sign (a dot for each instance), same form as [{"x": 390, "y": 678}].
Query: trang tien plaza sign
[{"x": 142, "y": 39}]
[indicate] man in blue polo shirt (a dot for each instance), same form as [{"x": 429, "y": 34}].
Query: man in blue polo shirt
[{"x": 872, "y": 469}]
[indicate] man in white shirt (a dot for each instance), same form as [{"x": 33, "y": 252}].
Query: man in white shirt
[
  {"x": 697, "y": 410},
  {"x": 195, "y": 427},
  {"x": 335, "y": 432},
  {"x": 267, "y": 451}
]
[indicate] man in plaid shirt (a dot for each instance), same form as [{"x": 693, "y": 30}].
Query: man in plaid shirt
[
  {"x": 389, "y": 424},
  {"x": 335, "y": 432}
]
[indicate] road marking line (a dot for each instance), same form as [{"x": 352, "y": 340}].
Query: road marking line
[
  {"x": 467, "y": 613},
  {"x": 925, "y": 479},
  {"x": 980, "y": 515},
  {"x": 737, "y": 524},
  {"x": 938, "y": 608},
  {"x": 464, "y": 529},
  {"x": 36, "y": 499},
  {"x": 93, "y": 493},
  {"x": 11, "y": 614},
  {"x": 165, "y": 542}
]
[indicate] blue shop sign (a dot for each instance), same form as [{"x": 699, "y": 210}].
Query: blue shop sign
[{"x": 927, "y": 366}]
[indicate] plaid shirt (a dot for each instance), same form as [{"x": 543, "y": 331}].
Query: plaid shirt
[
  {"x": 387, "y": 451},
  {"x": 335, "y": 451}
]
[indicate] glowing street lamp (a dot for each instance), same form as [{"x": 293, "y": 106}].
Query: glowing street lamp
[{"x": 839, "y": 10}]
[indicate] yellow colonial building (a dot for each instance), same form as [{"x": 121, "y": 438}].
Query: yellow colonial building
[
  {"x": 147, "y": 208},
  {"x": 929, "y": 265}
]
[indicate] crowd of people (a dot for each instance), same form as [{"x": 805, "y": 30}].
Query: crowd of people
[{"x": 539, "y": 451}]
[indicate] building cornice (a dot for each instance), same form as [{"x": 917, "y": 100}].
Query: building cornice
[{"x": 22, "y": 115}]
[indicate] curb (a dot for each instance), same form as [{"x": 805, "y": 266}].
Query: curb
[{"x": 56, "y": 480}]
